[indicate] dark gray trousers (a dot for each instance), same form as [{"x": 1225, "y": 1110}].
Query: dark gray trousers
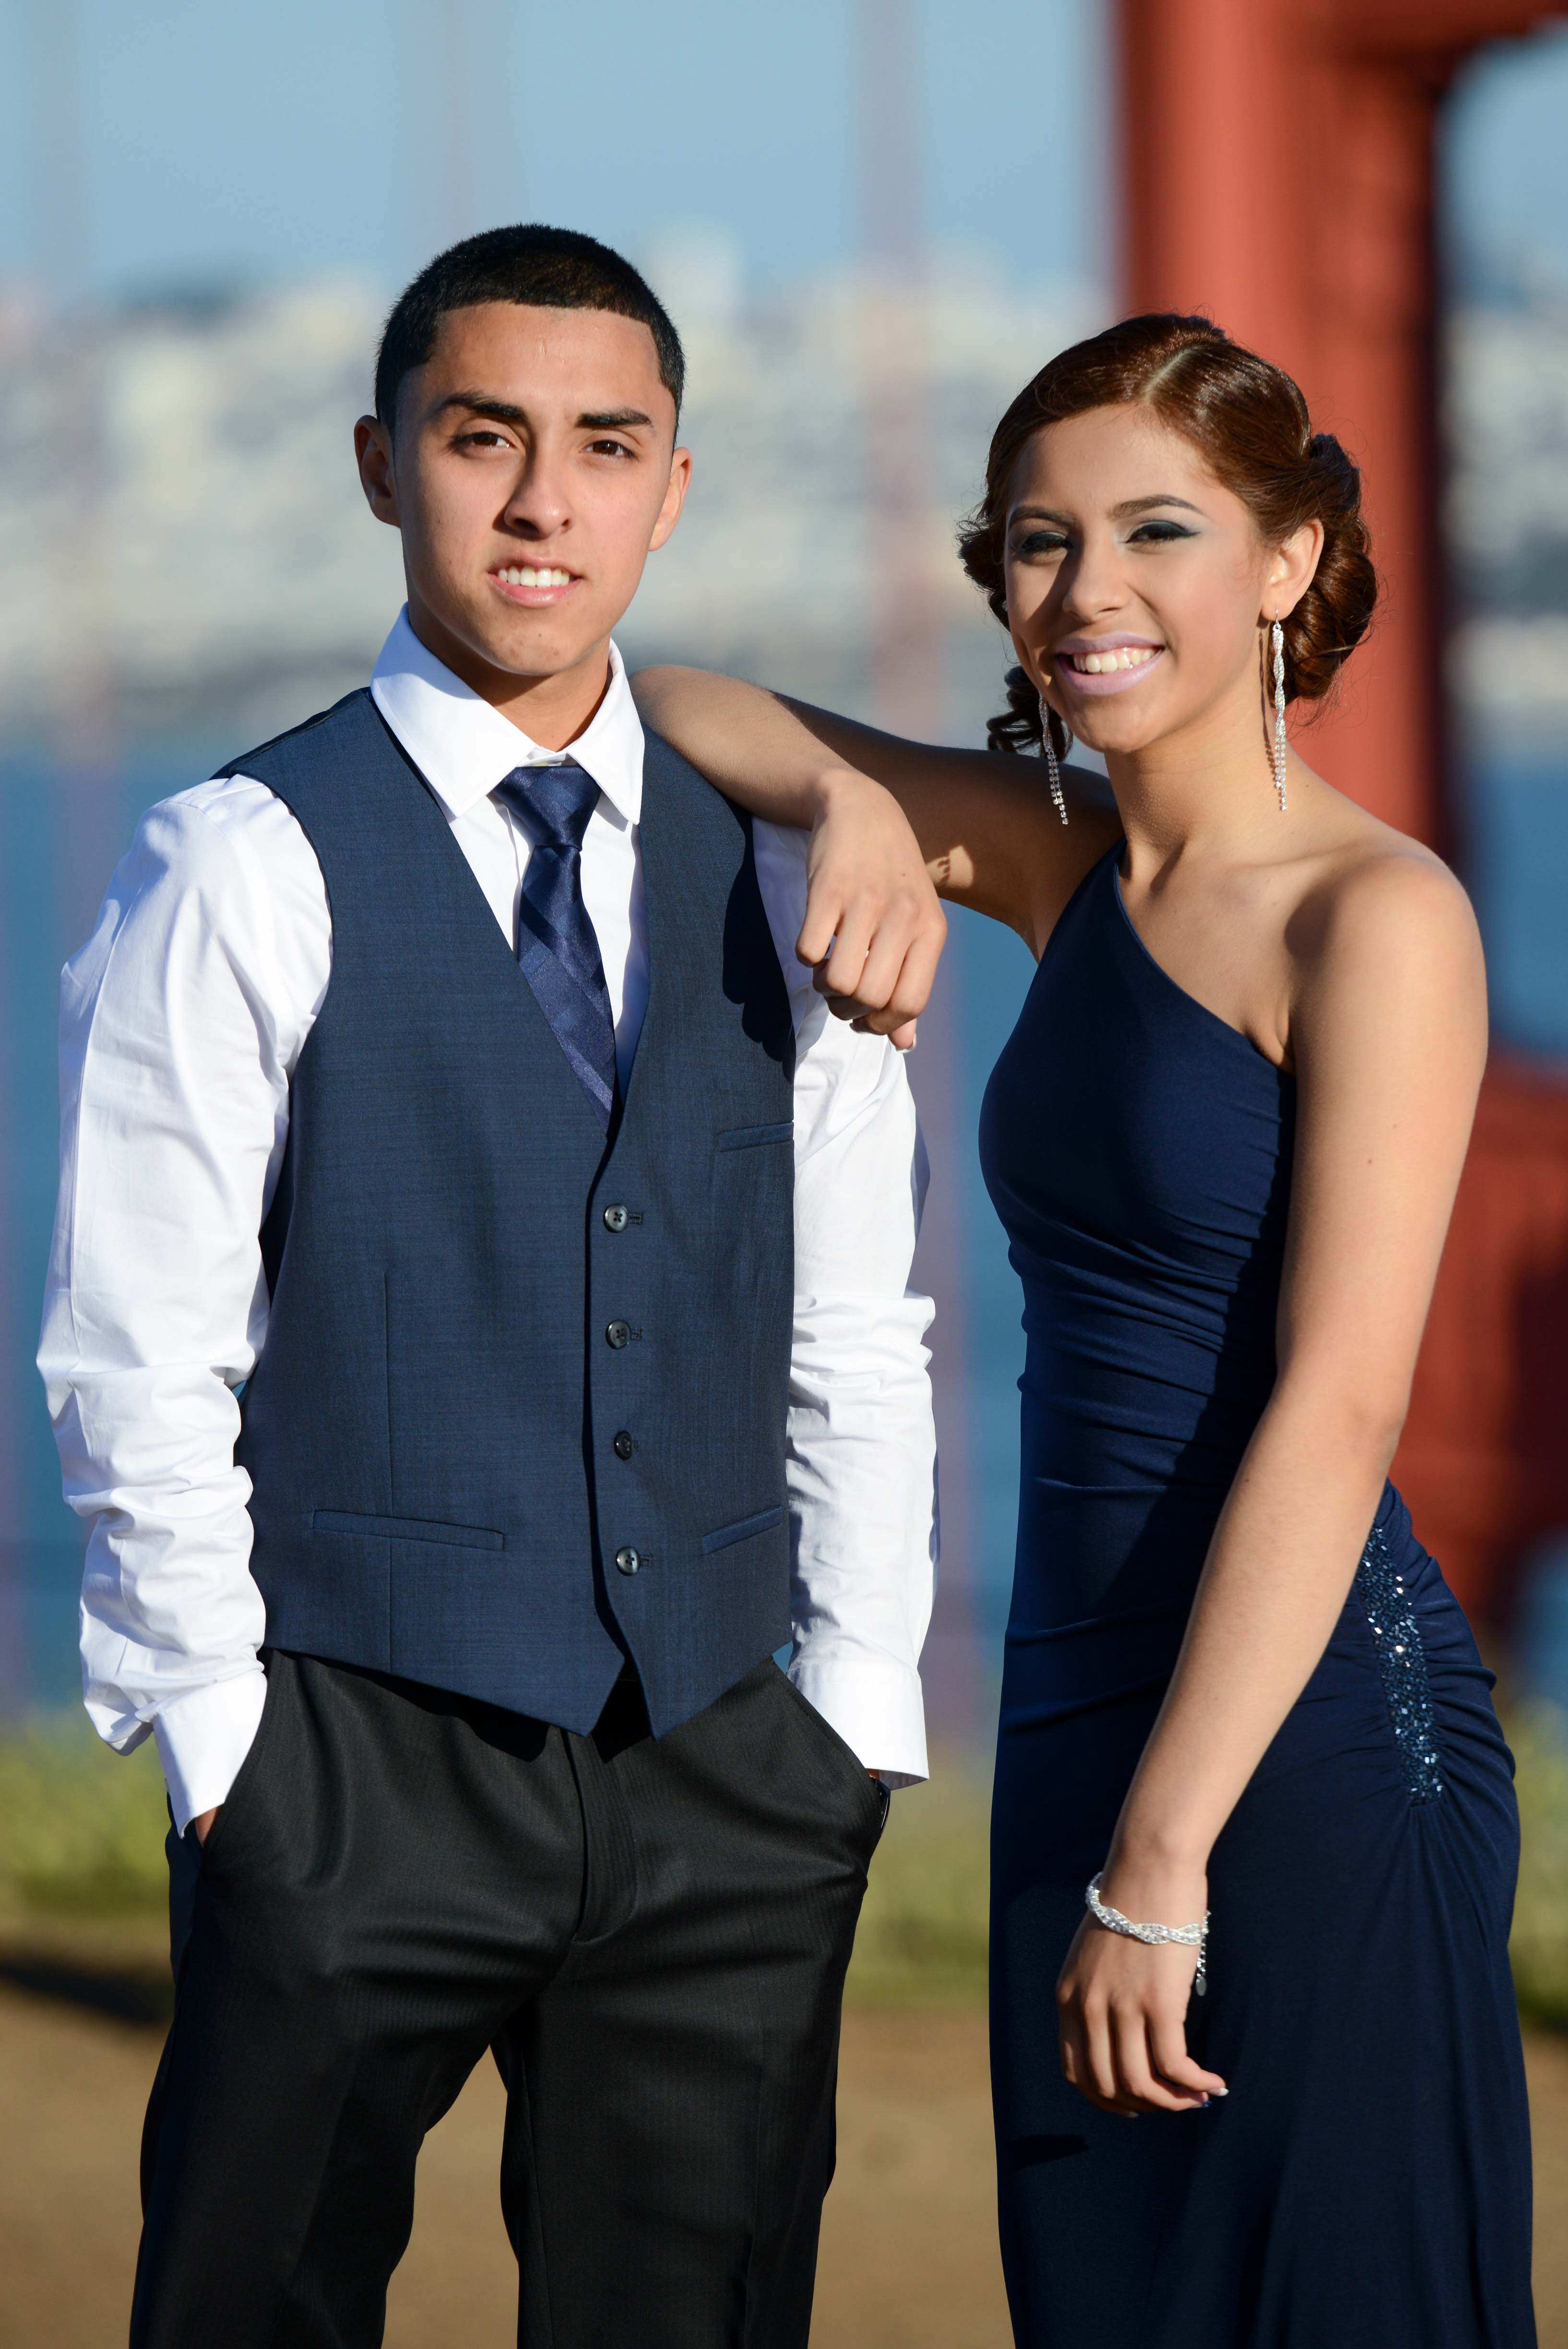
[{"x": 651, "y": 1935}]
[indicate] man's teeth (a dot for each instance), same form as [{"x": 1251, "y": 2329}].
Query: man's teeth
[
  {"x": 1125, "y": 657},
  {"x": 522, "y": 574}
]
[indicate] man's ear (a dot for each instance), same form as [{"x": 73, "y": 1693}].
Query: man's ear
[
  {"x": 377, "y": 474},
  {"x": 674, "y": 497}
]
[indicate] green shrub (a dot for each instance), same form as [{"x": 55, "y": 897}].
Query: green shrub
[
  {"x": 1539, "y": 1736},
  {"x": 924, "y": 1934},
  {"x": 81, "y": 1829}
]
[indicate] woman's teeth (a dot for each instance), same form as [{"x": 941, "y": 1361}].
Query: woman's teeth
[
  {"x": 1125, "y": 657},
  {"x": 522, "y": 574}
]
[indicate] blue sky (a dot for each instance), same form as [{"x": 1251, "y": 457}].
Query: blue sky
[
  {"x": 194, "y": 142},
  {"x": 208, "y": 141}
]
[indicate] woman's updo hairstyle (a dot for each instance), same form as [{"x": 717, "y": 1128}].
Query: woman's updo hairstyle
[{"x": 1250, "y": 423}]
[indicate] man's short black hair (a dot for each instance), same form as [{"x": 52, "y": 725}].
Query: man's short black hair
[{"x": 558, "y": 268}]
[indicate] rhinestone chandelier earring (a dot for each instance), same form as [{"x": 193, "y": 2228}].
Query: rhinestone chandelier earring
[
  {"x": 1048, "y": 752},
  {"x": 1277, "y": 644}
]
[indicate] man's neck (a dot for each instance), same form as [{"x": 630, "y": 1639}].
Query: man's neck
[{"x": 550, "y": 710}]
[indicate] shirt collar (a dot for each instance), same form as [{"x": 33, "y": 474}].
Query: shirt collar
[{"x": 464, "y": 748}]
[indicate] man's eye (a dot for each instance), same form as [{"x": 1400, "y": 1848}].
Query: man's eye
[
  {"x": 483, "y": 441},
  {"x": 608, "y": 448}
]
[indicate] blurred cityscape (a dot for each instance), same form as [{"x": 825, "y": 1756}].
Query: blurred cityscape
[
  {"x": 208, "y": 536},
  {"x": 177, "y": 491}
]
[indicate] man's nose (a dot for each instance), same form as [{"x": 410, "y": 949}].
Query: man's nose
[{"x": 538, "y": 506}]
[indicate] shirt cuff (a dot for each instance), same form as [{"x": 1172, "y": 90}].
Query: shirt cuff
[
  {"x": 878, "y": 1710},
  {"x": 204, "y": 1737}
]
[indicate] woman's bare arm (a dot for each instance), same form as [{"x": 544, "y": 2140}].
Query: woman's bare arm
[
  {"x": 1388, "y": 1032},
  {"x": 987, "y": 833}
]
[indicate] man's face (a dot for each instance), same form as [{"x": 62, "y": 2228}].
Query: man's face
[{"x": 532, "y": 471}]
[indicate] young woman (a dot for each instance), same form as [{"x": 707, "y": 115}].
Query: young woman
[{"x": 1224, "y": 1139}]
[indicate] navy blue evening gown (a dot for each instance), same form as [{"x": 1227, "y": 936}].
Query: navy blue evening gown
[{"x": 1365, "y": 2185}]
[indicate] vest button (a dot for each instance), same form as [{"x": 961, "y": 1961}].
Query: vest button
[
  {"x": 616, "y": 1219},
  {"x": 628, "y": 1560},
  {"x": 618, "y": 1333},
  {"x": 625, "y": 1446}
]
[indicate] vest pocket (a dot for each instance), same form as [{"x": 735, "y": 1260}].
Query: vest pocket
[
  {"x": 742, "y": 1530},
  {"x": 747, "y": 1137},
  {"x": 408, "y": 1529}
]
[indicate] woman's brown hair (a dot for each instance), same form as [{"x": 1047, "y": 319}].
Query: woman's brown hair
[{"x": 1250, "y": 422}]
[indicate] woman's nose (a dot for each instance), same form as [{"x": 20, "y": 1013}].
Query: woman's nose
[{"x": 1093, "y": 581}]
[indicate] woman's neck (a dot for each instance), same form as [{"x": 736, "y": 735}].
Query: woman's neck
[{"x": 1206, "y": 788}]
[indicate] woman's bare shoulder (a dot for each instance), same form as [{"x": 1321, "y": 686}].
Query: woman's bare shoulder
[{"x": 1376, "y": 902}]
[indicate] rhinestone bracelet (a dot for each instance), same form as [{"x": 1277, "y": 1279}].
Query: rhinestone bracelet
[{"x": 1190, "y": 1937}]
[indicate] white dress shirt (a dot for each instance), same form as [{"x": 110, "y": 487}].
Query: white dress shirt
[{"x": 181, "y": 1021}]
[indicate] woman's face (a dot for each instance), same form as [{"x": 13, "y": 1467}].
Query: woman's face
[{"x": 1136, "y": 582}]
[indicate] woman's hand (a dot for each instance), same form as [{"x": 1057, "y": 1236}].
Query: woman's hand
[
  {"x": 1122, "y": 2005},
  {"x": 873, "y": 925}
]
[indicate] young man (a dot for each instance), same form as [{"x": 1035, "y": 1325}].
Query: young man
[{"x": 444, "y": 1110}]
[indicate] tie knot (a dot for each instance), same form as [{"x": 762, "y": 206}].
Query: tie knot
[{"x": 554, "y": 803}]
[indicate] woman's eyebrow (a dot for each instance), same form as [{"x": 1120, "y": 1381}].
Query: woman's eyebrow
[
  {"x": 1119, "y": 513},
  {"x": 1142, "y": 505}
]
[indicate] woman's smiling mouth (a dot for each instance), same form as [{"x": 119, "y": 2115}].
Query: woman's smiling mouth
[{"x": 1095, "y": 665}]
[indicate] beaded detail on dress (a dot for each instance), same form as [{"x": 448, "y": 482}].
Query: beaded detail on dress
[{"x": 1402, "y": 1661}]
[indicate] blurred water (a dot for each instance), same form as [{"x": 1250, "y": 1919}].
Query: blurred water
[
  {"x": 59, "y": 841},
  {"x": 1516, "y": 865}
]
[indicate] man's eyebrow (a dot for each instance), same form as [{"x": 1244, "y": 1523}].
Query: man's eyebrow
[
  {"x": 612, "y": 420},
  {"x": 506, "y": 411},
  {"x": 482, "y": 403}
]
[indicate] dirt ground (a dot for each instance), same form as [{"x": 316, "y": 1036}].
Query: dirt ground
[{"x": 908, "y": 2259}]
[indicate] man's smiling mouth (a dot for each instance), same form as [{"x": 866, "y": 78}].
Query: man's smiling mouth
[{"x": 535, "y": 587}]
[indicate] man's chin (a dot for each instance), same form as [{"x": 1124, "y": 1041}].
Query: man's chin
[{"x": 525, "y": 646}]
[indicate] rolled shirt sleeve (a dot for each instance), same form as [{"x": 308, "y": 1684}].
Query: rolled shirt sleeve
[
  {"x": 181, "y": 1021},
  {"x": 861, "y": 1443}
]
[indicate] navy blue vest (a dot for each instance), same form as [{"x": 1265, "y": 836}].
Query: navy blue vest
[{"x": 521, "y": 1409}]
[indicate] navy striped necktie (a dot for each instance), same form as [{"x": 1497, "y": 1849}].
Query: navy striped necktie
[{"x": 557, "y": 950}]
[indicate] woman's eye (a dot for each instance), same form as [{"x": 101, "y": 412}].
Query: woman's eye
[
  {"x": 1159, "y": 534},
  {"x": 1041, "y": 542}
]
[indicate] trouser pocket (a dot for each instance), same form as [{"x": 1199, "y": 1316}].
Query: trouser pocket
[{"x": 841, "y": 1764}]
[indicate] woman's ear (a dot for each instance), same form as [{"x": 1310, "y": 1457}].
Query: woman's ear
[{"x": 1292, "y": 571}]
